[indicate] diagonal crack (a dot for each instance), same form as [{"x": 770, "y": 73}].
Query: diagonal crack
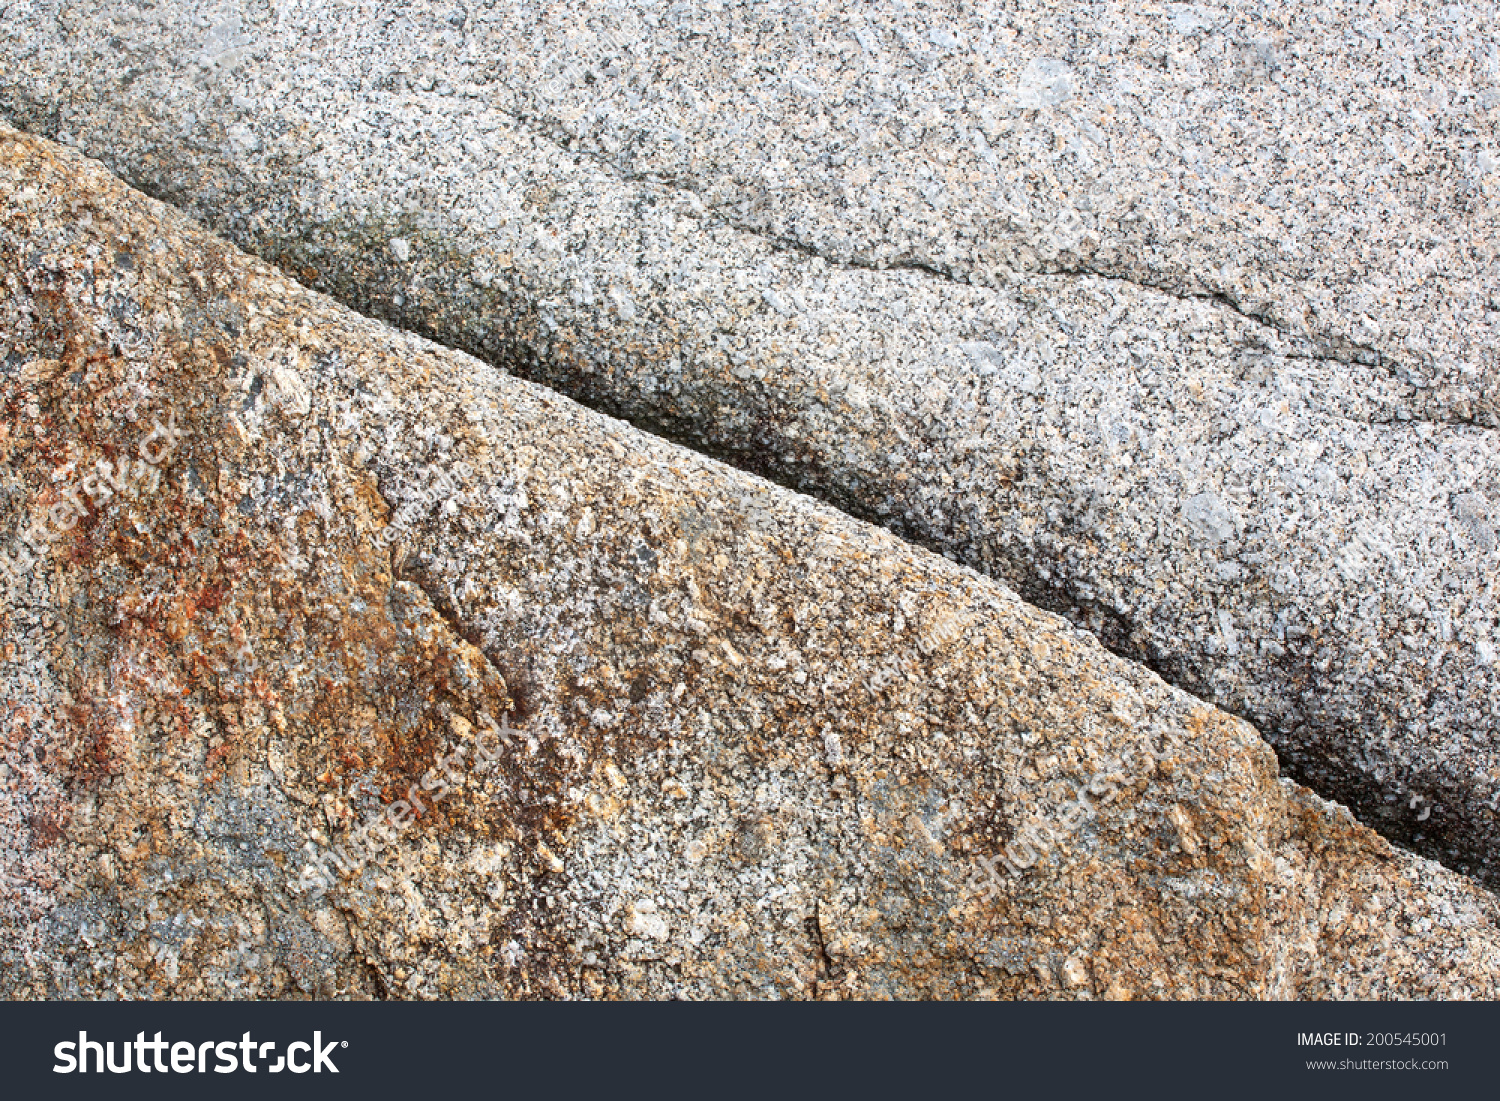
[
  {"x": 403, "y": 569},
  {"x": 1325, "y": 349}
]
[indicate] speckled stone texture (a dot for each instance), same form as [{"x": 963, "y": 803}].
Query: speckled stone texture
[
  {"x": 1179, "y": 319},
  {"x": 758, "y": 746}
]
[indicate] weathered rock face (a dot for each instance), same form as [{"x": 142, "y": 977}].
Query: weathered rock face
[
  {"x": 1187, "y": 326},
  {"x": 746, "y": 746}
]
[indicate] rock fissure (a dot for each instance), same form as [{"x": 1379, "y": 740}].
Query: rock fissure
[{"x": 1322, "y": 349}]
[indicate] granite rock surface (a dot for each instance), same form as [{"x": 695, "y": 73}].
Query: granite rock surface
[
  {"x": 1180, "y": 319},
  {"x": 341, "y": 664}
]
